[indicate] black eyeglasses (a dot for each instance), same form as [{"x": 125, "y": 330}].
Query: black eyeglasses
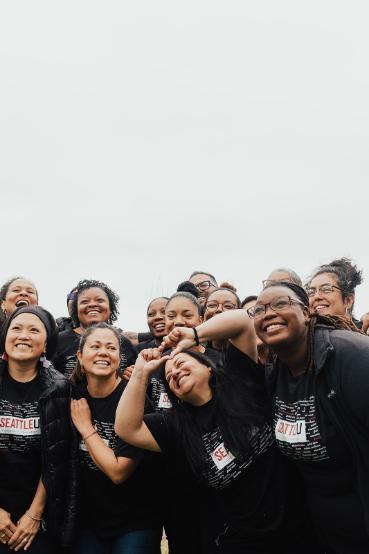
[
  {"x": 277, "y": 305},
  {"x": 214, "y": 305},
  {"x": 323, "y": 289},
  {"x": 204, "y": 285}
]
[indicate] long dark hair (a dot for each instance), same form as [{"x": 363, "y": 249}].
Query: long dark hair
[{"x": 241, "y": 407}]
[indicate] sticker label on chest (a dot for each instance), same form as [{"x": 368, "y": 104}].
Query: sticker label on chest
[
  {"x": 10, "y": 425},
  {"x": 291, "y": 432},
  {"x": 221, "y": 456},
  {"x": 164, "y": 401}
]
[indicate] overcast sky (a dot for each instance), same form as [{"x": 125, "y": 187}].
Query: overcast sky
[{"x": 142, "y": 140}]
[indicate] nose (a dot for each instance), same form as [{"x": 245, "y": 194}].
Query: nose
[
  {"x": 219, "y": 309},
  {"x": 179, "y": 322},
  {"x": 102, "y": 351},
  {"x": 269, "y": 312}
]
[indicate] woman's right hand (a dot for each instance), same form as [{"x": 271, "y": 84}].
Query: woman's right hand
[
  {"x": 149, "y": 360},
  {"x": 181, "y": 338},
  {"x": 7, "y": 527}
]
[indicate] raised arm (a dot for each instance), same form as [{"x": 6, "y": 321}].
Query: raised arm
[
  {"x": 234, "y": 325},
  {"x": 129, "y": 423}
]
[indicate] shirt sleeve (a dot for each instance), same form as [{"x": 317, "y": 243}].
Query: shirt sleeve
[{"x": 161, "y": 428}]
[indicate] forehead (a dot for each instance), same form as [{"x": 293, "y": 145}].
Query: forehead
[
  {"x": 157, "y": 304},
  {"x": 21, "y": 283},
  {"x": 28, "y": 319},
  {"x": 273, "y": 292},
  {"x": 102, "y": 335},
  {"x": 279, "y": 276},
  {"x": 199, "y": 278},
  {"x": 92, "y": 292},
  {"x": 249, "y": 304},
  {"x": 180, "y": 303},
  {"x": 179, "y": 357},
  {"x": 322, "y": 279},
  {"x": 221, "y": 296}
]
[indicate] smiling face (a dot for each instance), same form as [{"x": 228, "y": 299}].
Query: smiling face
[
  {"x": 26, "y": 339},
  {"x": 218, "y": 302},
  {"x": 284, "y": 328},
  {"x": 20, "y": 293},
  {"x": 204, "y": 284},
  {"x": 181, "y": 312},
  {"x": 100, "y": 356},
  {"x": 329, "y": 303},
  {"x": 188, "y": 379},
  {"x": 156, "y": 317},
  {"x": 93, "y": 307}
]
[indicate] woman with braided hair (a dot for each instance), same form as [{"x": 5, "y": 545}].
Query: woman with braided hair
[{"x": 320, "y": 385}]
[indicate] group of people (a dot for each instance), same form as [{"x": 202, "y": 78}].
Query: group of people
[{"x": 235, "y": 426}]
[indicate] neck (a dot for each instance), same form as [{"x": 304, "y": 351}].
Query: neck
[
  {"x": 80, "y": 330},
  {"x": 296, "y": 356},
  {"x": 22, "y": 371},
  {"x": 200, "y": 398},
  {"x": 100, "y": 388}
]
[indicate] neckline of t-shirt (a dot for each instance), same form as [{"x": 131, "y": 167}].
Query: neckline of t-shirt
[
  {"x": 20, "y": 383},
  {"x": 104, "y": 398}
]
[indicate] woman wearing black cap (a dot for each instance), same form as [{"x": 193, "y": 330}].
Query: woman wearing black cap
[
  {"x": 35, "y": 437},
  {"x": 320, "y": 385}
]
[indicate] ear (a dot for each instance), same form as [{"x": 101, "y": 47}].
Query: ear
[
  {"x": 201, "y": 318},
  {"x": 79, "y": 357},
  {"x": 3, "y": 303},
  {"x": 349, "y": 302}
]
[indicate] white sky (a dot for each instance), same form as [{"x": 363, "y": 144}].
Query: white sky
[{"x": 142, "y": 140}]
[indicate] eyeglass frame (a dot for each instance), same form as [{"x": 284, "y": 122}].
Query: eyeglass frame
[
  {"x": 319, "y": 289},
  {"x": 198, "y": 286},
  {"x": 251, "y": 314},
  {"x": 220, "y": 304}
]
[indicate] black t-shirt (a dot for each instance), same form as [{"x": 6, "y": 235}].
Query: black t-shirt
[
  {"x": 20, "y": 444},
  {"x": 325, "y": 463},
  {"x": 250, "y": 489},
  {"x": 66, "y": 357},
  {"x": 110, "y": 509}
]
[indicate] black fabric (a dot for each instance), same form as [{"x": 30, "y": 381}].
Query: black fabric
[
  {"x": 150, "y": 343},
  {"x": 321, "y": 421},
  {"x": 251, "y": 490},
  {"x": 20, "y": 444},
  {"x": 142, "y": 337},
  {"x": 109, "y": 509},
  {"x": 64, "y": 323},
  {"x": 58, "y": 459},
  {"x": 66, "y": 357}
]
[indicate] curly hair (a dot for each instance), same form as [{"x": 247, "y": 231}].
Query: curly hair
[{"x": 89, "y": 284}]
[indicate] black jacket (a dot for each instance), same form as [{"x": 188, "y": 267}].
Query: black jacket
[
  {"x": 59, "y": 454},
  {"x": 341, "y": 367}
]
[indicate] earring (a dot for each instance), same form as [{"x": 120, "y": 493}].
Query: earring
[
  {"x": 44, "y": 361},
  {"x": 4, "y": 357}
]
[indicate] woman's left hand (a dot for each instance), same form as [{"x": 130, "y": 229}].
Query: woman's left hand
[
  {"x": 81, "y": 416},
  {"x": 27, "y": 529}
]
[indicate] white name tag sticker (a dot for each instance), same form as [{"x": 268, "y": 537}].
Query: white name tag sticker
[
  {"x": 221, "y": 456},
  {"x": 29, "y": 426},
  {"x": 164, "y": 401},
  {"x": 292, "y": 432}
]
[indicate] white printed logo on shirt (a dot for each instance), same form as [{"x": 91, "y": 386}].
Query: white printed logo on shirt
[
  {"x": 291, "y": 432},
  {"x": 221, "y": 456},
  {"x": 11, "y": 425},
  {"x": 164, "y": 401}
]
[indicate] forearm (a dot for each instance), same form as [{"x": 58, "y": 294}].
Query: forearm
[
  {"x": 106, "y": 460},
  {"x": 37, "y": 507},
  {"x": 131, "y": 406},
  {"x": 226, "y": 325}
]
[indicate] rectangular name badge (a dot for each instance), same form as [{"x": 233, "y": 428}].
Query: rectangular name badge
[
  {"x": 10, "y": 425},
  {"x": 291, "y": 432},
  {"x": 221, "y": 456},
  {"x": 164, "y": 401}
]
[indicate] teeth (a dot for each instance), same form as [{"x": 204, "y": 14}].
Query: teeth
[
  {"x": 21, "y": 303},
  {"x": 180, "y": 379},
  {"x": 102, "y": 362},
  {"x": 274, "y": 326},
  {"x": 159, "y": 326},
  {"x": 22, "y": 346},
  {"x": 93, "y": 312},
  {"x": 320, "y": 307}
]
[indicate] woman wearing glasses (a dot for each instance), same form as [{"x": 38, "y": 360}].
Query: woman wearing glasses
[
  {"x": 331, "y": 289},
  {"x": 220, "y": 424},
  {"x": 320, "y": 386},
  {"x": 205, "y": 284},
  {"x": 219, "y": 301}
]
